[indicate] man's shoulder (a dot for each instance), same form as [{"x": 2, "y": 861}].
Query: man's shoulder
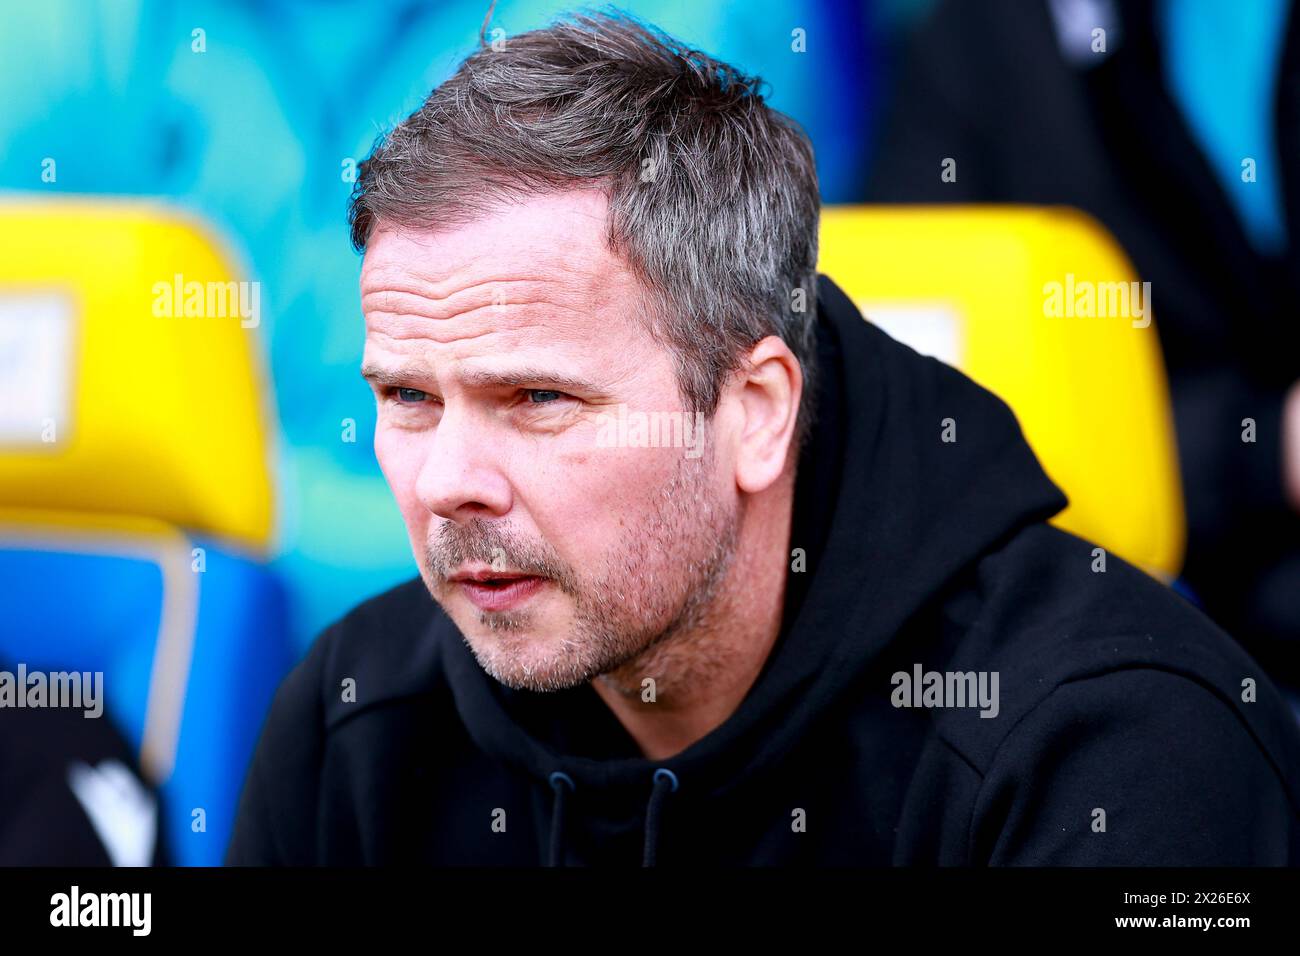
[
  {"x": 1058, "y": 617},
  {"x": 383, "y": 652},
  {"x": 1051, "y": 599},
  {"x": 383, "y": 649}
]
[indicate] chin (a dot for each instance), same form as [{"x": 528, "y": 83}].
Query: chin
[
  {"x": 524, "y": 655},
  {"x": 541, "y": 675}
]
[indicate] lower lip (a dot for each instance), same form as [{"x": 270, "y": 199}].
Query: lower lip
[{"x": 503, "y": 597}]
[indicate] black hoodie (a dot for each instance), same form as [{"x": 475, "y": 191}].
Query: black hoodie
[{"x": 1125, "y": 728}]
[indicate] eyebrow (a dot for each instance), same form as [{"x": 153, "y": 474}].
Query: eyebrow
[
  {"x": 378, "y": 375},
  {"x": 485, "y": 378}
]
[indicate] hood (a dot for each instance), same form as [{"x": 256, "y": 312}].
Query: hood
[{"x": 887, "y": 513}]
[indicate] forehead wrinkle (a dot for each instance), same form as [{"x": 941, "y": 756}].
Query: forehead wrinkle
[
  {"x": 518, "y": 321},
  {"x": 495, "y": 258},
  {"x": 523, "y": 305},
  {"x": 419, "y": 332},
  {"x": 573, "y": 360},
  {"x": 499, "y": 262},
  {"x": 429, "y": 299},
  {"x": 505, "y": 295}
]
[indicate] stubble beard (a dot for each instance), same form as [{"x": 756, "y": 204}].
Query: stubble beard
[{"x": 647, "y": 613}]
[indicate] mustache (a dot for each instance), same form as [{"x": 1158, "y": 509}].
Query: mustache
[{"x": 493, "y": 543}]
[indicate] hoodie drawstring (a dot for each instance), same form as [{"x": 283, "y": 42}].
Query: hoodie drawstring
[
  {"x": 558, "y": 782},
  {"x": 665, "y": 782}
]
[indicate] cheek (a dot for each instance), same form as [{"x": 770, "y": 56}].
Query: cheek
[
  {"x": 399, "y": 455},
  {"x": 589, "y": 503}
]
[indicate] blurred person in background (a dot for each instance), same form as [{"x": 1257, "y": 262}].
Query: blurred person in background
[
  {"x": 1177, "y": 124},
  {"x": 71, "y": 791}
]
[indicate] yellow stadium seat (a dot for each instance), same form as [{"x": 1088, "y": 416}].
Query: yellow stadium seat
[
  {"x": 131, "y": 381},
  {"x": 1039, "y": 305}
]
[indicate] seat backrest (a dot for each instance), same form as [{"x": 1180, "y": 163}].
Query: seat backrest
[
  {"x": 1039, "y": 305},
  {"x": 129, "y": 378}
]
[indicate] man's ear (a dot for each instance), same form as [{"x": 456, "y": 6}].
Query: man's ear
[{"x": 768, "y": 393}]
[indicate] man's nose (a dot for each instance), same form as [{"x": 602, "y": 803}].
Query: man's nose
[{"x": 462, "y": 475}]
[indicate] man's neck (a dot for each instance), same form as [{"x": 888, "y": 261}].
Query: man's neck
[{"x": 701, "y": 675}]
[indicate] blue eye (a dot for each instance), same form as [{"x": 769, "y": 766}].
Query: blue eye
[
  {"x": 410, "y": 396},
  {"x": 533, "y": 392}
]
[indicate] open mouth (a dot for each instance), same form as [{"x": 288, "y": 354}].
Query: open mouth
[{"x": 500, "y": 594}]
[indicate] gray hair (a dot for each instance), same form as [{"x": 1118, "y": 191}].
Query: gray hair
[{"x": 713, "y": 196}]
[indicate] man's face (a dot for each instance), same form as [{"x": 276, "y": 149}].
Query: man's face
[{"x": 498, "y": 351}]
